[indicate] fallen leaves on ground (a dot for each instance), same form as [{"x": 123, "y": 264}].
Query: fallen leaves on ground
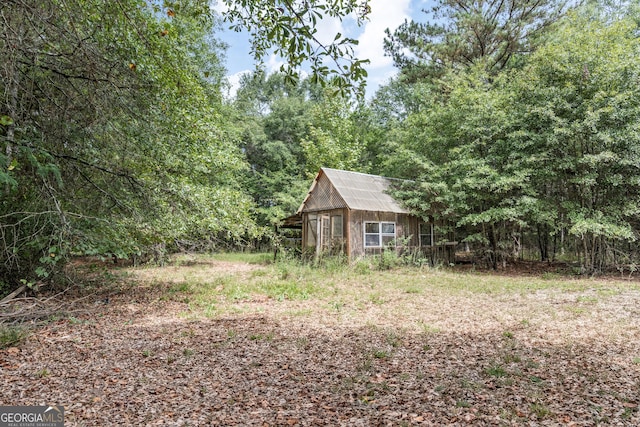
[{"x": 137, "y": 362}]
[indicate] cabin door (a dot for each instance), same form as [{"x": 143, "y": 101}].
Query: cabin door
[{"x": 324, "y": 233}]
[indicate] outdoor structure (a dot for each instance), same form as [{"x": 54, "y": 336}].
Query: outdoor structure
[{"x": 354, "y": 214}]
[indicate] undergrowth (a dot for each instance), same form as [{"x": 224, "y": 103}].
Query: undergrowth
[{"x": 11, "y": 336}]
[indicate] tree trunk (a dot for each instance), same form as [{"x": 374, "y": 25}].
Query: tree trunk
[
  {"x": 493, "y": 245},
  {"x": 543, "y": 242},
  {"x": 10, "y": 76}
]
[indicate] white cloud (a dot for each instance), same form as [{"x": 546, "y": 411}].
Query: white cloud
[
  {"x": 327, "y": 29},
  {"x": 381, "y": 17},
  {"x": 376, "y": 80},
  {"x": 273, "y": 64}
]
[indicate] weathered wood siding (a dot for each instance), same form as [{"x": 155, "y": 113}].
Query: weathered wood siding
[
  {"x": 351, "y": 242},
  {"x": 406, "y": 230}
]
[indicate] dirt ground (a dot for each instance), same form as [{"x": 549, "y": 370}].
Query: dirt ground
[{"x": 133, "y": 358}]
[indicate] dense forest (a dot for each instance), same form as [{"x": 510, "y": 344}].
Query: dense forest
[{"x": 517, "y": 121}]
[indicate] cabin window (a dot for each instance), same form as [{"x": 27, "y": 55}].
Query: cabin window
[
  {"x": 336, "y": 226},
  {"x": 426, "y": 234},
  {"x": 378, "y": 234}
]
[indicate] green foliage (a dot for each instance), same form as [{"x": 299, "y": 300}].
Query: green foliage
[
  {"x": 540, "y": 153},
  {"x": 333, "y": 139},
  {"x": 580, "y": 112},
  {"x": 288, "y": 132},
  {"x": 273, "y": 120},
  {"x": 115, "y": 139},
  {"x": 387, "y": 259},
  {"x": 289, "y": 289},
  {"x": 540, "y": 410},
  {"x": 112, "y": 133}
]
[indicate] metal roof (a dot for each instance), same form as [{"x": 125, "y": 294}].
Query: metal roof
[{"x": 360, "y": 191}]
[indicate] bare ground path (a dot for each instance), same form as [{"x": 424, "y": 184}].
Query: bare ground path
[{"x": 539, "y": 357}]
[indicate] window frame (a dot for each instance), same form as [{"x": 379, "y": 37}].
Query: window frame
[
  {"x": 379, "y": 234},
  {"x": 431, "y": 234},
  {"x": 335, "y": 220}
]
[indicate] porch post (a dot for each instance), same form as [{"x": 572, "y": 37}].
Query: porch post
[{"x": 348, "y": 233}]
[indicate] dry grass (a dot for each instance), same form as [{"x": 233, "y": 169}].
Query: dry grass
[{"x": 412, "y": 299}]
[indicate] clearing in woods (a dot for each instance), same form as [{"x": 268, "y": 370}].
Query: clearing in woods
[{"x": 227, "y": 341}]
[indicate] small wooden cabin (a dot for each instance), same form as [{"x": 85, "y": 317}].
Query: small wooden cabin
[{"x": 354, "y": 214}]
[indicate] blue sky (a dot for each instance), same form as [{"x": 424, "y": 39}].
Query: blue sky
[{"x": 384, "y": 14}]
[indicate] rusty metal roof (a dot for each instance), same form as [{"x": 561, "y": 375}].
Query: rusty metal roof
[{"x": 359, "y": 191}]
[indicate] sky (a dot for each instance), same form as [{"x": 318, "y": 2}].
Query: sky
[{"x": 384, "y": 14}]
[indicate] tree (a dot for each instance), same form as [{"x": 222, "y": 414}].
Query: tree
[
  {"x": 290, "y": 130},
  {"x": 578, "y": 109},
  {"x": 272, "y": 119},
  {"x": 547, "y": 150},
  {"x": 113, "y": 132},
  {"x": 110, "y": 136},
  {"x": 332, "y": 139},
  {"x": 459, "y": 34},
  {"x": 465, "y": 170}
]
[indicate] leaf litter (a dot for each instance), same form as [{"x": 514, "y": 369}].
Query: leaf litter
[{"x": 538, "y": 358}]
